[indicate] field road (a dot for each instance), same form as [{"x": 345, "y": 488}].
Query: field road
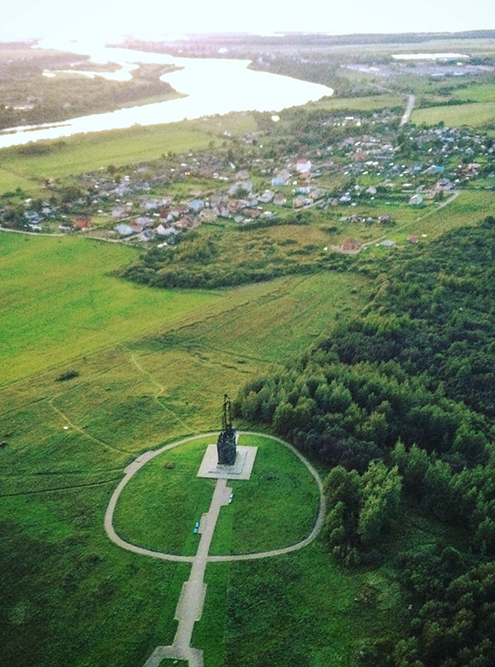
[
  {"x": 407, "y": 113},
  {"x": 448, "y": 201}
]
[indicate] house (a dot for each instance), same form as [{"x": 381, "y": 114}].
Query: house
[
  {"x": 351, "y": 245},
  {"x": 238, "y": 205},
  {"x": 278, "y": 181},
  {"x": 247, "y": 186},
  {"x": 83, "y": 224},
  {"x": 144, "y": 221},
  {"x": 146, "y": 236},
  {"x": 300, "y": 201},
  {"x": 252, "y": 213},
  {"x": 283, "y": 175},
  {"x": 242, "y": 175},
  {"x": 303, "y": 166},
  {"x": 442, "y": 185},
  {"x": 413, "y": 239},
  {"x": 266, "y": 197},
  {"x": 387, "y": 243},
  {"x": 221, "y": 211},
  {"x": 165, "y": 231},
  {"x": 208, "y": 215},
  {"x": 371, "y": 190},
  {"x": 196, "y": 205},
  {"x": 150, "y": 204},
  {"x": 183, "y": 223},
  {"x": 318, "y": 193},
  {"x": 416, "y": 200},
  {"x": 279, "y": 200},
  {"x": 124, "y": 230}
]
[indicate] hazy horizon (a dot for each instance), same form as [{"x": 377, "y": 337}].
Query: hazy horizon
[{"x": 97, "y": 19}]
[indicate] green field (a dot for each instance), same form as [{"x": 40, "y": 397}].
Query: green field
[
  {"x": 82, "y": 153},
  {"x": 473, "y": 115},
  {"x": 371, "y": 103},
  {"x": 160, "y": 506},
  {"x": 482, "y": 93},
  {"x": 68, "y": 442},
  {"x": 59, "y": 302}
]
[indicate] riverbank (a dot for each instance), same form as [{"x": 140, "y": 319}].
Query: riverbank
[{"x": 209, "y": 87}]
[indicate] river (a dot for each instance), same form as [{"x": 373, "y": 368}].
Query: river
[{"x": 213, "y": 86}]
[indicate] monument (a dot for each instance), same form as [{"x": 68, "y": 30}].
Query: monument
[
  {"x": 227, "y": 460},
  {"x": 227, "y": 439}
]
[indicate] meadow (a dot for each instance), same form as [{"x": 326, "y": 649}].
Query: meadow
[
  {"x": 370, "y": 103},
  {"x": 478, "y": 114},
  {"x": 74, "y": 596},
  {"x": 30, "y": 167},
  {"x": 58, "y": 302}
]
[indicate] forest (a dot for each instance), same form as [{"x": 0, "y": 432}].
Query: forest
[{"x": 398, "y": 401}]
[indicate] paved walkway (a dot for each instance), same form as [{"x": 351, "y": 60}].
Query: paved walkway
[
  {"x": 190, "y": 606},
  {"x": 191, "y": 601}
]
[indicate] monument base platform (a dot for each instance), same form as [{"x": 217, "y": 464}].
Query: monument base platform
[{"x": 241, "y": 469}]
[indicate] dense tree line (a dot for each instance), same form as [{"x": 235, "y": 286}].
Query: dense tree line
[
  {"x": 452, "y": 614},
  {"x": 400, "y": 401}
]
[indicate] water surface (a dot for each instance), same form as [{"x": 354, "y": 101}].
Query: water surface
[{"x": 213, "y": 86}]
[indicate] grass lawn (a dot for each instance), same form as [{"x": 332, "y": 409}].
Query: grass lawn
[
  {"x": 276, "y": 508},
  {"x": 300, "y": 609},
  {"x": 71, "y": 597},
  {"x": 481, "y": 93},
  {"x": 160, "y": 506}
]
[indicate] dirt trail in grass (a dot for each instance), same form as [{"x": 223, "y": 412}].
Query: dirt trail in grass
[
  {"x": 22, "y": 231},
  {"x": 59, "y": 488},
  {"x": 159, "y": 386},
  {"x": 83, "y": 432}
]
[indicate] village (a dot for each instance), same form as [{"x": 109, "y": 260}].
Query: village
[{"x": 343, "y": 163}]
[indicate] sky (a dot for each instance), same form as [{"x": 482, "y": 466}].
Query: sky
[{"x": 145, "y": 18}]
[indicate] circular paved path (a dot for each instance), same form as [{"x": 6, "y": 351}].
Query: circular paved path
[{"x": 132, "y": 469}]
